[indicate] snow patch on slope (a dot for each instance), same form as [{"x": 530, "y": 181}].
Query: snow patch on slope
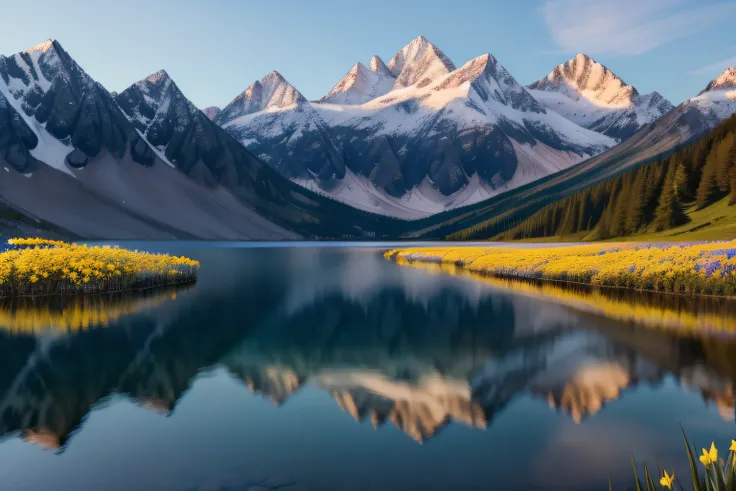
[{"x": 49, "y": 150}]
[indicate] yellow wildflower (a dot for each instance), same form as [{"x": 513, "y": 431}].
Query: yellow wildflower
[
  {"x": 733, "y": 446},
  {"x": 709, "y": 457},
  {"x": 666, "y": 480}
]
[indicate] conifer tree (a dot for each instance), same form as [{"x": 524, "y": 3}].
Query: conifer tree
[
  {"x": 708, "y": 191},
  {"x": 669, "y": 213},
  {"x": 636, "y": 203}
]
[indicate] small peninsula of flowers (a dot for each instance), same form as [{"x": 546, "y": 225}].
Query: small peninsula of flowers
[
  {"x": 46, "y": 267},
  {"x": 704, "y": 268}
]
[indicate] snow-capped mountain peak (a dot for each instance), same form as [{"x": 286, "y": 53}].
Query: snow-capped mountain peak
[
  {"x": 725, "y": 81},
  {"x": 360, "y": 85},
  {"x": 378, "y": 66},
  {"x": 43, "y": 47},
  {"x": 584, "y": 78},
  {"x": 653, "y": 100},
  {"x": 159, "y": 77},
  {"x": 272, "y": 92},
  {"x": 419, "y": 62},
  {"x": 491, "y": 81},
  {"x": 212, "y": 112},
  {"x": 590, "y": 95},
  {"x": 144, "y": 99},
  {"x": 718, "y": 100}
]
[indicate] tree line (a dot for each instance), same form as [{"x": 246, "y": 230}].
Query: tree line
[{"x": 651, "y": 197}]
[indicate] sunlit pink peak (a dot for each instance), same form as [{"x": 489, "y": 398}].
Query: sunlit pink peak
[
  {"x": 419, "y": 62},
  {"x": 272, "y": 91},
  {"x": 273, "y": 77},
  {"x": 378, "y": 66},
  {"x": 586, "y": 77},
  {"x": 726, "y": 80},
  {"x": 43, "y": 47},
  {"x": 158, "y": 77}
]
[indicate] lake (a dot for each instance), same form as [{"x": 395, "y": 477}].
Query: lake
[{"x": 331, "y": 368}]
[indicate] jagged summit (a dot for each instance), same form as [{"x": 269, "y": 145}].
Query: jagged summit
[
  {"x": 212, "y": 112},
  {"x": 583, "y": 77},
  {"x": 491, "y": 81},
  {"x": 158, "y": 77},
  {"x": 271, "y": 92},
  {"x": 592, "y": 96},
  {"x": 419, "y": 62},
  {"x": 360, "y": 85},
  {"x": 725, "y": 81},
  {"x": 273, "y": 77},
  {"x": 378, "y": 66},
  {"x": 43, "y": 47}
]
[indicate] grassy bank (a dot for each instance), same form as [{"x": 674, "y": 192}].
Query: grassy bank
[
  {"x": 43, "y": 267},
  {"x": 692, "y": 268},
  {"x": 716, "y": 222}
]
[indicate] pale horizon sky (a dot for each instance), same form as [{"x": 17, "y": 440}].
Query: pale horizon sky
[{"x": 216, "y": 49}]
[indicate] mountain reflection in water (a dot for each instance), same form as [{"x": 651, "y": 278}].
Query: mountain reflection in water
[{"x": 392, "y": 346}]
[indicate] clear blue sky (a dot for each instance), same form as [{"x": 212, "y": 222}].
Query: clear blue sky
[{"x": 215, "y": 49}]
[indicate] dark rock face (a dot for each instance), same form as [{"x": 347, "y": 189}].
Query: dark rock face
[
  {"x": 16, "y": 138},
  {"x": 208, "y": 154},
  {"x": 73, "y": 107},
  {"x": 185, "y": 136},
  {"x": 297, "y": 151},
  {"x": 76, "y": 159},
  {"x": 397, "y": 163}
]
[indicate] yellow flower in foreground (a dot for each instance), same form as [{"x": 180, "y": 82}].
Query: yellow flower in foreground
[
  {"x": 733, "y": 446},
  {"x": 666, "y": 480},
  {"x": 709, "y": 457}
]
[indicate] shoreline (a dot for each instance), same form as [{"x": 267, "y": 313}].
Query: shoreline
[{"x": 697, "y": 270}]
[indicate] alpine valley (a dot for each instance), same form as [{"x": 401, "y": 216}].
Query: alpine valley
[{"x": 412, "y": 147}]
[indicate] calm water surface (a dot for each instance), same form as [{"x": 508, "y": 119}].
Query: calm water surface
[{"x": 332, "y": 369}]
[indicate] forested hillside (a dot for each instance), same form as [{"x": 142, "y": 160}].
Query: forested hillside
[{"x": 651, "y": 198}]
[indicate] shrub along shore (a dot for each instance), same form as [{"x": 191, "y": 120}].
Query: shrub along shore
[
  {"x": 43, "y": 267},
  {"x": 699, "y": 268}
]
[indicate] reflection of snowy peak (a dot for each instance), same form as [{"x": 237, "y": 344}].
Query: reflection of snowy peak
[
  {"x": 418, "y": 136},
  {"x": 420, "y": 410},
  {"x": 276, "y": 383},
  {"x": 589, "y": 94}
]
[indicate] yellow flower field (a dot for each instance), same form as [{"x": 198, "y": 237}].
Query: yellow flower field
[
  {"x": 696, "y": 268},
  {"x": 40, "y": 267}
]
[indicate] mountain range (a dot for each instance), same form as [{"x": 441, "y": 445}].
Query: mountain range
[
  {"x": 416, "y": 139},
  {"x": 145, "y": 163},
  {"x": 419, "y": 136}
]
